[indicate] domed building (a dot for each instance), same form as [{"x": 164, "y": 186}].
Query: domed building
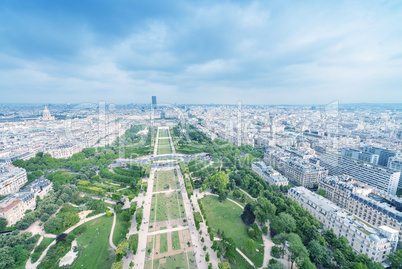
[{"x": 46, "y": 115}]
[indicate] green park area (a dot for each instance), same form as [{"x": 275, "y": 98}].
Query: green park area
[
  {"x": 166, "y": 180},
  {"x": 225, "y": 217},
  {"x": 164, "y": 146},
  {"x": 121, "y": 227},
  {"x": 166, "y": 206},
  {"x": 93, "y": 239},
  {"x": 182, "y": 260},
  {"x": 163, "y": 133}
]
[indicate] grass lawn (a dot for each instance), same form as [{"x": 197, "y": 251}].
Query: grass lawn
[
  {"x": 96, "y": 252},
  {"x": 163, "y": 243},
  {"x": 175, "y": 261},
  {"x": 164, "y": 146},
  {"x": 164, "y": 178},
  {"x": 167, "y": 206},
  {"x": 121, "y": 228},
  {"x": 225, "y": 216},
  {"x": 175, "y": 240},
  {"x": 241, "y": 263},
  {"x": 163, "y": 133}
]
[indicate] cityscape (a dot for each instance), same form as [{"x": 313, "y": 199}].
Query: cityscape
[{"x": 204, "y": 135}]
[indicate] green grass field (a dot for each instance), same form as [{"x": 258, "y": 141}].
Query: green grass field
[
  {"x": 121, "y": 229},
  {"x": 175, "y": 261},
  {"x": 164, "y": 146},
  {"x": 225, "y": 216},
  {"x": 95, "y": 241},
  {"x": 167, "y": 206},
  {"x": 163, "y": 133},
  {"x": 163, "y": 243},
  {"x": 164, "y": 178},
  {"x": 175, "y": 240}
]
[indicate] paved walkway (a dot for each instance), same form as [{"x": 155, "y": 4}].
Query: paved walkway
[{"x": 112, "y": 230}]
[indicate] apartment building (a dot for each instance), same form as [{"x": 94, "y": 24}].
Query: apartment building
[
  {"x": 360, "y": 155},
  {"x": 366, "y": 202},
  {"x": 376, "y": 243},
  {"x": 269, "y": 174},
  {"x": 383, "y": 178},
  {"x": 384, "y": 154},
  {"x": 13, "y": 207},
  {"x": 395, "y": 163},
  {"x": 11, "y": 179},
  {"x": 294, "y": 168},
  {"x": 40, "y": 187}
]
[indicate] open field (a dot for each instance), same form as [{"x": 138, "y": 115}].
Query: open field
[
  {"x": 225, "y": 216},
  {"x": 166, "y": 206},
  {"x": 121, "y": 228},
  {"x": 164, "y": 146},
  {"x": 163, "y": 133},
  {"x": 96, "y": 251},
  {"x": 166, "y": 180},
  {"x": 170, "y": 250}
]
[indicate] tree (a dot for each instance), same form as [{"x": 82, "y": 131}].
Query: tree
[
  {"x": 19, "y": 253},
  {"x": 53, "y": 224},
  {"x": 250, "y": 245},
  {"x": 70, "y": 219},
  {"x": 207, "y": 257},
  {"x": 277, "y": 265},
  {"x": 319, "y": 254},
  {"x": 298, "y": 252},
  {"x": 6, "y": 260},
  {"x": 263, "y": 209},
  {"x": 3, "y": 224},
  {"x": 339, "y": 258},
  {"x": 117, "y": 265},
  {"x": 322, "y": 192},
  {"x": 395, "y": 259},
  {"x": 223, "y": 265},
  {"x": 284, "y": 223},
  {"x": 248, "y": 216},
  {"x": 121, "y": 250}
]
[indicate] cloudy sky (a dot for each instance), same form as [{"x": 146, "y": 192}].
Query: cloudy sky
[{"x": 257, "y": 52}]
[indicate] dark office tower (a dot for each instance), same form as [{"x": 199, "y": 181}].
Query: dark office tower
[{"x": 154, "y": 105}]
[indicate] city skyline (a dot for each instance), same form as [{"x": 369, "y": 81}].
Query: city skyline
[{"x": 201, "y": 53}]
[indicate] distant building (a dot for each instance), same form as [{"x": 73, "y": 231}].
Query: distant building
[
  {"x": 384, "y": 154},
  {"x": 395, "y": 163},
  {"x": 294, "y": 168},
  {"x": 46, "y": 115},
  {"x": 11, "y": 179},
  {"x": 269, "y": 174},
  {"x": 154, "y": 104},
  {"x": 376, "y": 243},
  {"x": 360, "y": 155},
  {"x": 376, "y": 176}
]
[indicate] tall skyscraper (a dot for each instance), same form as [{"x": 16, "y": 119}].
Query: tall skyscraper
[{"x": 154, "y": 105}]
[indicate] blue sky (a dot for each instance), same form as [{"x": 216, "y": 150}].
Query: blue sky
[{"x": 259, "y": 52}]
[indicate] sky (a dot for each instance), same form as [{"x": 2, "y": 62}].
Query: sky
[{"x": 201, "y": 52}]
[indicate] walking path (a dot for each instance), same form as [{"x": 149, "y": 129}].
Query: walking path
[{"x": 112, "y": 230}]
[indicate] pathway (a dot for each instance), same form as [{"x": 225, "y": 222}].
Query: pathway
[{"x": 112, "y": 230}]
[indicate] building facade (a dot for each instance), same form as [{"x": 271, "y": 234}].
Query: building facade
[
  {"x": 376, "y": 207},
  {"x": 11, "y": 179},
  {"x": 294, "y": 168},
  {"x": 376, "y": 243},
  {"x": 269, "y": 174},
  {"x": 376, "y": 176}
]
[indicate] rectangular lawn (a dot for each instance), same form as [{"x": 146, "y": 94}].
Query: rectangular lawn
[{"x": 166, "y": 206}]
